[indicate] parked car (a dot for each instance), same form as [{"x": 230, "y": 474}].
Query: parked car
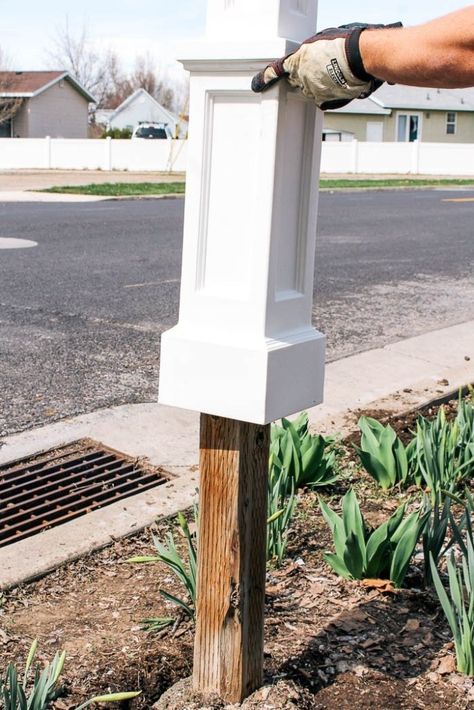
[{"x": 152, "y": 130}]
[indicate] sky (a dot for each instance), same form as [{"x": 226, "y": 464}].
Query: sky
[{"x": 132, "y": 27}]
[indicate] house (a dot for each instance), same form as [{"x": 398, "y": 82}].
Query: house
[
  {"x": 406, "y": 114},
  {"x": 44, "y": 103},
  {"x": 140, "y": 107}
]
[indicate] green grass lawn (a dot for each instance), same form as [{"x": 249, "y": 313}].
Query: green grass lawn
[
  {"x": 122, "y": 189},
  {"x": 126, "y": 189},
  {"x": 393, "y": 182}
]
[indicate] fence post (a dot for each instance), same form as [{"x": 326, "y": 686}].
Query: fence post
[
  {"x": 108, "y": 153},
  {"x": 48, "y": 152},
  {"x": 244, "y": 352},
  {"x": 415, "y": 158},
  {"x": 355, "y": 156}
]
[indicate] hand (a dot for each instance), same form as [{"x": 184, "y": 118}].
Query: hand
[{"x": 328, "y": 67}]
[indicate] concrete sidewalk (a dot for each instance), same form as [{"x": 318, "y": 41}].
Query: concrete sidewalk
[
  {"x": 21, "y": 180},
  {"x": 397, "y": 378}
]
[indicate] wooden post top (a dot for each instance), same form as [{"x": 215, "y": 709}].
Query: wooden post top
[{"x": 252, "y": 19}]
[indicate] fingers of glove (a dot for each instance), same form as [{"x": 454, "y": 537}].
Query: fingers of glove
[{"x": 269, "y": 76}]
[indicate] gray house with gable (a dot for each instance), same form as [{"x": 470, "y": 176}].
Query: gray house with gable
[{"x": 44, "y": 103}]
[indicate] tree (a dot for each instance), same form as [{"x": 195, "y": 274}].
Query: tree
[
  {"x": 9, "y": 106},
  {"x": 103, "y": 75},
  {"x": 76, "y": 54},
  {"x": 146, "y": 74}
]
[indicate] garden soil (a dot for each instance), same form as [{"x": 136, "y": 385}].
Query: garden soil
[{"x": 329, "y": 643}]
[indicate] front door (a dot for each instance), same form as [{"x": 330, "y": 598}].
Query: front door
[
  {"x": 408, "y": 127},
  {"x": 374, "y": 132}
]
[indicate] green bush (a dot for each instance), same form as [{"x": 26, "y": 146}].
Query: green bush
[
  {"x": 366, "y": 553},
  {"x": 117, "y": 133}
]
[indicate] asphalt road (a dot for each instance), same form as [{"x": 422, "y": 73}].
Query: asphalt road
[{"x": 81, "y": 314}]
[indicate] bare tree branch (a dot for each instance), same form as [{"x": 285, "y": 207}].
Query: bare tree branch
[
  {"x": 9, "y": 105},
  {"x": 75, "y": 53},
  {"x": 102, "y": 73}
]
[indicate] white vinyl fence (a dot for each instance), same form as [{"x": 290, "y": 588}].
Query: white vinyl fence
[
  {"x": 170, "y": 156},
  {"x": 92, "y": 154},
  {"x": 398, "y": 158}
]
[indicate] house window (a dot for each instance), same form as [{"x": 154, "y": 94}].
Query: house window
[
  {"x": 408, "y": 127},
  {"x": 6, "y": 128},
  {"x": 450, "y": 123}
]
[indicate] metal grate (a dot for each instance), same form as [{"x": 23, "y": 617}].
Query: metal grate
[{"x": 48, "y": 489}]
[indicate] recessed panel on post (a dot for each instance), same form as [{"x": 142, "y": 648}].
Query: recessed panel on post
[{"x": 232, "y": 150}]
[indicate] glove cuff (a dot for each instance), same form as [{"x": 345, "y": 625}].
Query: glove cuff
[{"x": 354, "y": 56}]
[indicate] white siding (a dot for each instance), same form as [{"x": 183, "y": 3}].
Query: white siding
[{"x": 142, "y": 108}]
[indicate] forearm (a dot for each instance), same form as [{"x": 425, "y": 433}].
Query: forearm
[{"x": 437, "y": 54}]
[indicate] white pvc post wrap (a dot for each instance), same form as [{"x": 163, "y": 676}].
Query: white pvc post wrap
[
  {"x": 291, "y": 19},
  {"x": 244, "y": 347}
]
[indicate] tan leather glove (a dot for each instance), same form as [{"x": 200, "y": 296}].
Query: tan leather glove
[{"x": 328, "y": 67}]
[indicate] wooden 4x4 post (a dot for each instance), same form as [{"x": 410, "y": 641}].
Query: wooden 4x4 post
[{"x": 244, "y": 352}]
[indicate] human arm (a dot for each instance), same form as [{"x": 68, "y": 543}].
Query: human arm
[{"x": 437, "y": 54}]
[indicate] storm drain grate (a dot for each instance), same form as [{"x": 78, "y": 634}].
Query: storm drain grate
[{"x": 48, "y": 489}]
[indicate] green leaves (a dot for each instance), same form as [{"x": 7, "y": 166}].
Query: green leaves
[
  {"x": 45, "y": 687},
  {"x": 434, "y": 533},
  {"x": 297, "y": 459},
  {"x": 281, "y": 507},
  {"x": 306, "y": 457},
  {"x": 382, "y": 454},
  {"x": 111, "y": 698},
  {"x": 458, "y": 605},
  {"x": 184, "y": 570},
  {"x": 365, "y": 553},
  {"x": 440, "y": 456},
  {"x": 445, "y": 450}
]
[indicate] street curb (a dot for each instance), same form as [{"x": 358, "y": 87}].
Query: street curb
[{"x": 396, "y": 379}]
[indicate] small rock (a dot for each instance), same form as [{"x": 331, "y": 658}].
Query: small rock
[
  {"x": 433, "y": 677},
  {"x": 400, "y": 658},
  {"x": 411, "y": 625},
  {"x": 446, "y": 665}
]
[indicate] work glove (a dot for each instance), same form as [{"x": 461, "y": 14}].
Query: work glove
[{"x": 328, "y": 67}]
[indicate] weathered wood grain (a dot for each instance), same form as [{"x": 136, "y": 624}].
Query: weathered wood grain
[{"x": 228, "y": 657}]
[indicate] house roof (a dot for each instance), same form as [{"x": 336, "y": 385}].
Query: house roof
[
  {"x": 366, "y": 106},
  {"x": 133, "y": 97},
  {"x": 28, "y": 84},
  {"x": 398, "y": 96}
]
